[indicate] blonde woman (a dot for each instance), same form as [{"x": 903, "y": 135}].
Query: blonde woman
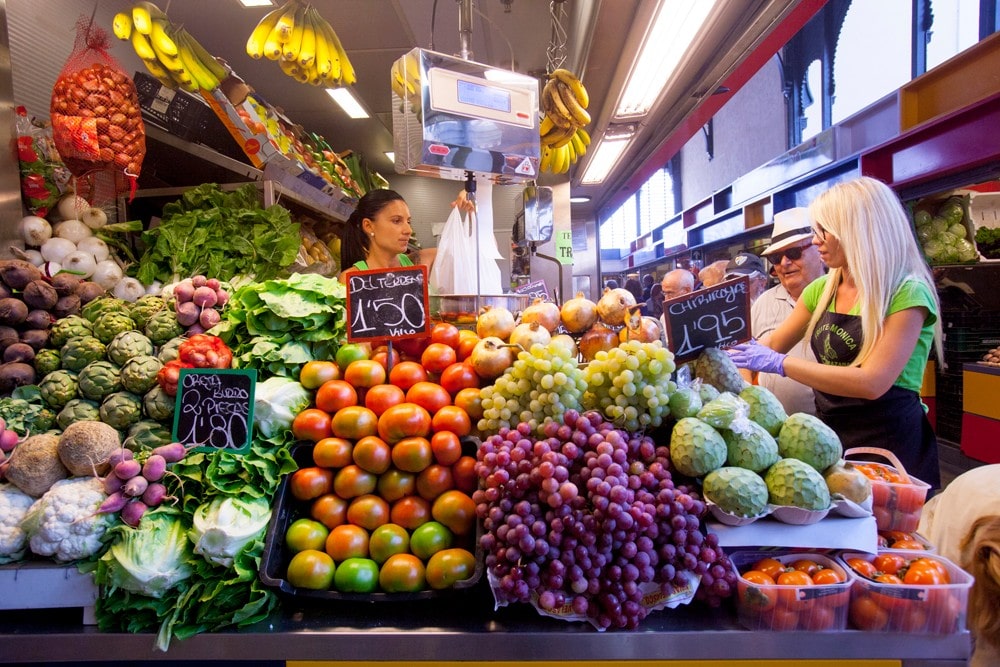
[{"x": 871, "y": 322}]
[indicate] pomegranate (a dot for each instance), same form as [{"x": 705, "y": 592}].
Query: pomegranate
[
  {"x": 495, "y": 321},
  {"x": 578, "y": 314},
  {"x": 566, "y": 341},
  {"x": 613, "y": 305},
  {"x": 544, "y": 312},
  {"x": 598, "y": 337},
  {"x": 491, "y": 357},
  {"x": 639, "y": 327},
  {"x": 527, "y": 334}
]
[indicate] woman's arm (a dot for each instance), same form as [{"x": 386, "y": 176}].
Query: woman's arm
[
  {"x": 877, "y": 375},
  {"x": 788, "y": 333}
]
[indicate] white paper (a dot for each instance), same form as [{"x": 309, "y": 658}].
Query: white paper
[{"x": 831, "y": 533}]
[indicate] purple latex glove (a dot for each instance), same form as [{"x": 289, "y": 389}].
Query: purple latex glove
[{"x": 756, "y": 357}]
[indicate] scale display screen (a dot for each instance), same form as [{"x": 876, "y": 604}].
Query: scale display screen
[{"x": 487, "y": 97}]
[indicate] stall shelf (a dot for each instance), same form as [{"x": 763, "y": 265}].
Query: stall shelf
[{"x": 466, "y": 627}]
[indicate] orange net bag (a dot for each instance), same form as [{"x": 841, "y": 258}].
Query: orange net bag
[{"x": 96, "y": 120}]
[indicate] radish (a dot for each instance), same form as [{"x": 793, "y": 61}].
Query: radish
[
  {"x": 171, "y": 453},
  {"x": 183, "y": 291},
  {"x": 112, "y": 483},
  {"x": 187, "y": 313},
  {"x": 135, "y": 486},
  {"x": 155, "y": 494},
  {"x": 154, "y": 468},
  {"x": 123, "y": 454},
  {"x": 209, "y": 318},
  {"x": 132, "y": 512},
  {"x": 204, "y": 297},
  {"x": 127, "y": 469},
  {"x": 113, "y": 503}
]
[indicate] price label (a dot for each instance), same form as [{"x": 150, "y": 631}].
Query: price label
[
  {"x": 387, "y": 303},
  {"x": 535, "y": 289},
  {"x": 214, "y": 408},
  {"x": 717, "y": 316}
]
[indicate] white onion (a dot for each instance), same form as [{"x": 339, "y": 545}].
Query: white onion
[
  {"x": 34, "y": 257},
  {"x": 34, "y": 230},
  {"x": 80, "y": 262},
  {"x": 55, "y": 249},
  {"x": 72, "y": 230},
  {"x": 51, "y": 268},
  {"x": 155, "y": 288},
  {"x": 128, "y": 289},
  {"x": 107, "y": 273},
  {"x": 70, "y": 206},
  {"x": 95, "y": 246}
]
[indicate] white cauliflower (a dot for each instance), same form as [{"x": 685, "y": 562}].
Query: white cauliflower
[
  {"x": 64, "y": 522},
  {"x": 14, "y": 504}
]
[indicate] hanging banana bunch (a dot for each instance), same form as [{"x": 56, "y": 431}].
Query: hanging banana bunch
[
  {"x": 563, "y": 137},
  {"x": 304, "y": 45},
  {"x": 168, "y": 51}
]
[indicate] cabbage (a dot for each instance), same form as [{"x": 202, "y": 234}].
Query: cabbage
[
  {"x": 225, "y": 525},
  {"x": 149, "y": 559},
  {"x": 276, "y": 402}
]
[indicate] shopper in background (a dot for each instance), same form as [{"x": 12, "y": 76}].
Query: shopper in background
[
  {"x": 674, "y": 284},
  {"x": 647, "y": 285},
  {"x": 963, "y": 524},
  {"x": 795, "y": 262},
  {"x": 714, "y": 273},
  {"x": 633, "y": 286},
  {"x": 749, "y": 265},
  {"x": 611, "y": 284},
  {"x": 653, "y": 306},
  {"x": 871, "y": 322}
]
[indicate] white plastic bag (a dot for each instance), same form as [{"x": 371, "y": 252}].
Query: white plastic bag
[{"x": 454, "y": 264}]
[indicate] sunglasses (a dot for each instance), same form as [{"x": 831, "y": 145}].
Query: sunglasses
[
  {"x": 793, "y": 253},
  {"x": 820, "y": 231}
]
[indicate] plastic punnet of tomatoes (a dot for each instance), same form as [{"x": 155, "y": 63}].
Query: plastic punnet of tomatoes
[
  {"x": 352, "y": 534},
  {"x": 780, "y": 590},
  {"x": 900, "y": 590},
  {"x": 897, "y": 539},
  {"x": 897, "y": 497}
]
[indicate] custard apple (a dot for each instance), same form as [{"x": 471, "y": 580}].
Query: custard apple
[
  {"x": 751, "y": 447},
  {"x": 807, "y": 438},
  {"x": 128, "y": 344},
  {"x": 696, "y": 448},
  {"x": 795, "y": 482},
  {"x": 685, "y": 402},
  {"x": 80, "y": 351},
  {"x": 138, "y": 374},
  {"x": 707, "y": 393},
  {"x": 714, "y": 367},
  {"x": 765, "y": 408},
  {"x": 722, "y": 410},
  {"x": 71, "y": 326},
  {"x": 736, "y": 490},
  {"x": 98, "y": 379}
]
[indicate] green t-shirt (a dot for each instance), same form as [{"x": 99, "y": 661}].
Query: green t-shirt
[
  {"x": 404, "y": 260},
  {"x": 911, "y": 293}
]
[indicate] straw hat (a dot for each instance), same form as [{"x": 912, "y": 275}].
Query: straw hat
[{"x": 791, "y": 226}]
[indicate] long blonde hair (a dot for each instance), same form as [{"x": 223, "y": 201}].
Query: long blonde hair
[{"x": 880, "y": 250}]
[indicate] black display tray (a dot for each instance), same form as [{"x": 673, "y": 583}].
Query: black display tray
[{"x": 275, "y": 559}]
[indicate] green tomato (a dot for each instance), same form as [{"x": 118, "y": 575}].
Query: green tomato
[
  {"x": 311, "y": 569},
  {"x": 387, "y": 540},
  {"x": 356, "y": 575},
  {"x": 429, "y": 538},
  {"x": 306, "y": 534},
  {"x": 348, "y": 353}
]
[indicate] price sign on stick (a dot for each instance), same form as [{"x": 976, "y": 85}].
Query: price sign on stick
[
  {"x": 214, "y": 408},
  {"x": 536, "y": 289},
  {"x": 387, "y": 303},
  {"x": 717, "y": 316}
]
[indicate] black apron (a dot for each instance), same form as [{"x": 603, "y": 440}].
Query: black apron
[{"x": 895, "y": 420}]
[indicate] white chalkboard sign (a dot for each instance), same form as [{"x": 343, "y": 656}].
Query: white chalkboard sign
[
  {"x": 717, "y": 316},
  {"x": 214, "y": 408}
]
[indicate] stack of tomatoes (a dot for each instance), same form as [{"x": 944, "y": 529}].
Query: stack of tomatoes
[
  {"x": 796, "y": 592},
  {"x": 386, "y": 506}
]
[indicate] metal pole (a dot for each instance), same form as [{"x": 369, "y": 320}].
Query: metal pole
[{"x": 465, "y": 28}]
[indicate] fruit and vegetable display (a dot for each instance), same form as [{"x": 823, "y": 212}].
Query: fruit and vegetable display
[
  {"x": 943, "y": 230},
  {"x": 564, "y": 101},
  {"x": 988, "y": 242}
]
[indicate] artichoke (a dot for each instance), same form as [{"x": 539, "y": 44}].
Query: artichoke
[
  {"x": 129, "y": 344},
  {"x": 158, "y": 404},
  {"x": 139, "y": 373},
  {"x": 58, "y": 388},
  {"x": 98, "y": 379},
  {"x": 121, "y": 409},
  {"x": 145, "y": 307},
  {"x": 72, "y": 326},
  {"x": 146, "y": 435},
  {"x": 110, "y": 324},
  {"x": 163, "y": 326},
  {"x": 78, "y": 409},
  {"x": 169, "y": 350},
  {"x": 101, "y": 305},
  {"x": 46, "y": 361},
  {"x": 80, "y": 351}
]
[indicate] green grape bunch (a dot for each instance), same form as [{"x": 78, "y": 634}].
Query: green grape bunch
[{"x": 630, "y": 384}]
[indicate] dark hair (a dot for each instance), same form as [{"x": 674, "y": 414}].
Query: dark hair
[
  {"x": 633, "y": 286},
  {"x": 355, "y": 242}
]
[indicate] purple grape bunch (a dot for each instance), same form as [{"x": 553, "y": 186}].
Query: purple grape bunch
[{"x": 586, "y": 516}]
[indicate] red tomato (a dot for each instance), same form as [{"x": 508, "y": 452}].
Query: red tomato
[
  {"x": 347, "y": 541},
  {"x": 429, "y": 395},
  {"x": 466, "y": 343},
  {"x": 446, "y": 446},
  {"x": 413, "y": 347},
  {"x": 446, "y": 333},
  {"x": 438, "y": 356},
  {"x": 372, "y": 454},
  {"x": 410, "y": 512},
  {"x": 405, "y": 374},
  {"x": 470, "y": 401},
  {"x": 329, "y": 509},
  {"x": 364, "y": 373},
  {"x": 403, "y": 421},
  {"x": 402, "y": 573},
  {"x": 311, "y": 424},
  {"x": 434, "y": 480},
  {"x": 887, "y": 563},
  {"x": 458, "y": 376},
  {"x": 353, "y": 481},
  {"x": 354, "y": 422},
  {"x": 333, "y": 395},
  {"x": 456, "y": 511},
  {"x": 382, "y": 397},
  {"x": 394, "y": 484},
  {"x": 451, "y": 418},
  {"x": 386, "y": 360},
  {"x": 447, "y": 567},
  {"x": 332, "y": 452},
  {"x": 309, "y": 483},
  {"x": 464, "y": 474},
  {"x": 368, "y": 511},
  {"x": 412, "y": 454}
]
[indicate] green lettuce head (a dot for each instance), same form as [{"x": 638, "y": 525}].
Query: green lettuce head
[
  {"x": 276, "y": 402},
  {"x": 151, "y": 558},
  {"x": 225, "y": 525}
]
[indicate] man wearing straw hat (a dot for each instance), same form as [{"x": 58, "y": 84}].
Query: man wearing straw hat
[{"x": 795, "y": 261}]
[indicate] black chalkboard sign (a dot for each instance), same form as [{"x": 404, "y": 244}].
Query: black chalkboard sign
[
  {"x": 536, "y": 290},
  {"x": 214, "y": 408},
  {"x": 717, "y": 316},
  {"x": 387, "y": 303}
]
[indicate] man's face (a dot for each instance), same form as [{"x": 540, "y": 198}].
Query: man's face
[
  {"x": 795, "y": 274},
  {"x": 672, "y": 288}
]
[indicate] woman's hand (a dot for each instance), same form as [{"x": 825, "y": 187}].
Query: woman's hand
[{"x": 463, "y": 203}]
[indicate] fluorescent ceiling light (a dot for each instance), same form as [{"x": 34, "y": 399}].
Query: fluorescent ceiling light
[
  {"x": 581, "y": 199},
  {"x": 604, "y": 159},
  {"x": 676, "y": 24},
  {"x": 256, "y": 3},
  {"x": 391, "y": 155},
  {"x": 345, "y": 98}
]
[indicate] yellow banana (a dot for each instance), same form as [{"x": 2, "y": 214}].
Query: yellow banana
[
  {"x": 545, "y": 126},
  {"x": 142, "y": 46},
  {"x": 291, "y": 68},
  {"x": 412, "y": 72},
  {"x": 307, "y": 49},
  {"x": 209, "y": 61},
  {"x": 324, "y": 60},
  {"x": 564, "y": 139},
  {"x": 579, "y": 148},
  {"x": 272, "y": 47},
  {"x": 143, "y": 15},
  {"x": 160, "y": 72},
  {"x": 347, "y": 74},
  {"x": 578, "y": 113},
  {"x": 545, "y": 163},
  {"x": 199, "y": 73},
  {"x": 584, "y": 136},
  {"x": 556, "y": 109},
  {"x": 171, "y": 62},
  {"x": 159, "y": 37},
  {"x": 121, "y": 24},
  {"x": 574, "y": 84},
  {"x": 556, "y": 135},
  {"x": 561, "y": 161},
  {"x": 290, "y": 49},
  {"x": 255, "y": 43},
  {"x": 396, "y": 79},
  {"x": 286, "y": 22}
]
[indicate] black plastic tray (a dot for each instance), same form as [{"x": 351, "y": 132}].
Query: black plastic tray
[{"x": 275, "y": 559}]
